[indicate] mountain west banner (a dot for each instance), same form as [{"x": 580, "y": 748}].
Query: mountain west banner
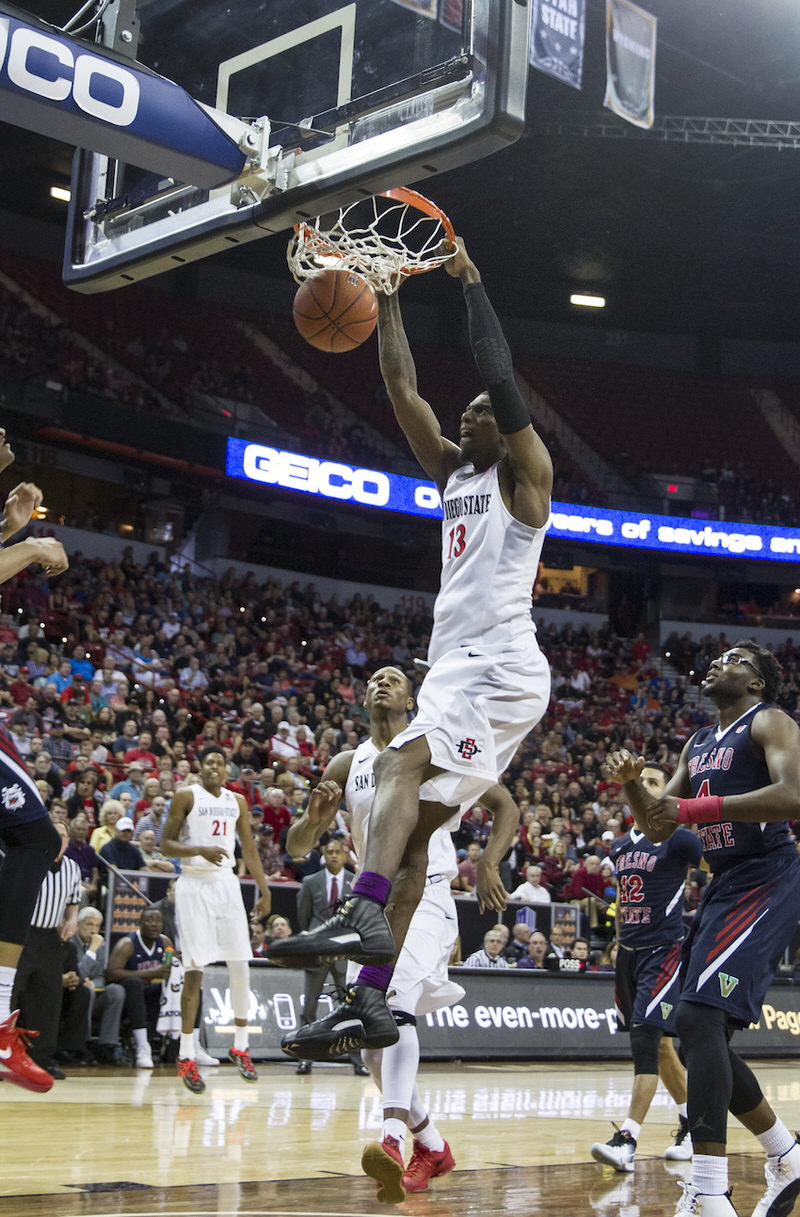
[
  {"x": 557, "y": 35},
  {"x": 630, "y": 61}
]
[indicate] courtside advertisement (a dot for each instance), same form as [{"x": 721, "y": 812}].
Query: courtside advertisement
[
  {"x": 569, "y": 522},
  {"x": 504, "y": 1015}
]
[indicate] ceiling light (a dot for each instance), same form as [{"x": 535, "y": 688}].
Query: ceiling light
[
  {"x": 61, "y": 193},
  {"x": 587, "y": 301}
]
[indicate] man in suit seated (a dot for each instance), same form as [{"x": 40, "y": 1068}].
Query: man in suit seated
[
  {"x": 316, "y": 902},
  {"x": 106, "y": 1000}
]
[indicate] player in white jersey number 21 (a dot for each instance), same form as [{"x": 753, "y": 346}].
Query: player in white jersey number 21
[{"x": 202, "y": 826}]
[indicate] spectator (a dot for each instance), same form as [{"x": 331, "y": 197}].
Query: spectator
[
  {"x": 133, "y": 784},
  {"x": 152, "y": 856},
  {"x": 490, "y": 955},
  {"x": 537, "y": 950},
  {"x": 517, "y": 948},
  {"x": 107, "y": 817},
  {"x": 467, "y": 877},
  {"x": 531, "y": 891},
  {"x": 120, "y": 850},
  {"x": 154, "y": 819},
  {"x": 106, "y": 1000},
  {"x": 81, "y": 852}
]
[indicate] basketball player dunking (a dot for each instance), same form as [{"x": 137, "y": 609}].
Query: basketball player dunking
[
  {"x": 420, "y": 983},
  {"x": 739, "y": 779},
  {"x": 202, "y": 826},
  {"x": 489, "y": 683}
]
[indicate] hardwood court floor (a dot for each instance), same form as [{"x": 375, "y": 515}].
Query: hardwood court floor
[{"x": 137, "y": 1143}]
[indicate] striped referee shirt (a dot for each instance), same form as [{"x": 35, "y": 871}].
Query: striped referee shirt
[{"x": 59, "y": 889}]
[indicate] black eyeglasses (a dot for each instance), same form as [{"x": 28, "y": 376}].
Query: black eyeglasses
[{"x": 732, "y": 657}]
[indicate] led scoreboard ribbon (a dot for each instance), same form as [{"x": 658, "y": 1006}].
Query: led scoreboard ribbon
[{"x": 414, "y": 496}]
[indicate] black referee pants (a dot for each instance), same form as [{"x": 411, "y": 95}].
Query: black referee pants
[{"x": 38, "y": 992}]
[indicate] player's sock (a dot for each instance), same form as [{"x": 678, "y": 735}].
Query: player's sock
[
  {"x": 241, "y": 1040},
  {"x": 140, "y": 1038},
  {"x": 186, "y": 1050},
  {"x": 632, "y": 1127},
  {"x": 399, "y": 1069},
  {"x": 776, "y": 1140},
  {"x": 395, "y": 1128},
  {"x": 373, "y": 887},
  {"x": 376, "y": 976},
  {"x": 417, "y": 1111},
  {"x": 710, "y": 1175},
  {"x": 430, "y": 1137},
  {"x": 683, "y": 1111},
  {"x": 6, "y": 988}
]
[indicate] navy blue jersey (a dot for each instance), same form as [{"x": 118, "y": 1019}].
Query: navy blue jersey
[
  {"x": 650, "y": 883},
  {"x": 729, "y": 762},
  {"x": 20, "y": 801},
  {"x": 142, "y": 959}
]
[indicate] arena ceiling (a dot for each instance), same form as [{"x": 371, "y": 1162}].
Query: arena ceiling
[{"x": 688, "y": 237}]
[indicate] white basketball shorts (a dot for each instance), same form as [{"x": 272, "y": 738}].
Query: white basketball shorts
[
  {"x": 212, "y": 922},
  {"x": 475, "y": 705}
]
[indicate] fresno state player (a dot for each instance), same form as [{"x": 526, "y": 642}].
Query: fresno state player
[
  {"x": 202, "y": 826},
  {"x": 740, "y": 779},
  {"x": 650, "y": 886}
]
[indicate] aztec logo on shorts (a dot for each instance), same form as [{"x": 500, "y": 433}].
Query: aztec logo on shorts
[
  {"x": 13, "y": 797},
  {"x": 468, "y": 748},
  {"x": 727, "y": 983},
  {"x": 666, "y": 1010}
]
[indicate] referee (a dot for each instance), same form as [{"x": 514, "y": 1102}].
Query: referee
[{"x": 38, "y": 984}]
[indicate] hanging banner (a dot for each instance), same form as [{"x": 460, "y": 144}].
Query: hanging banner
[
  {"x": 451, "y": 13},
  {"x": 557, "y": 35},
  {"x": 630, "y": 62}
]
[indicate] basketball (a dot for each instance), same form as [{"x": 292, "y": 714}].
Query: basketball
[{"x": 335, "y": 310}]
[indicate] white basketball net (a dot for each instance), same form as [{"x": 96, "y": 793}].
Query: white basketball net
[{"x": 381, "y": 238}]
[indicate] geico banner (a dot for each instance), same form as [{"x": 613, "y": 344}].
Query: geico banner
[
  {"x": 522, "y": 1015},
  {"x": 413, "y": 496},
  {"x": 94, "y": 98}
]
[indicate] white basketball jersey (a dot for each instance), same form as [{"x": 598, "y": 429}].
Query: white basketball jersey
[
  {"x": 489, "y": 563},
  {"x": 359, "y": 792},
  {"x": 211, "y": 821}
]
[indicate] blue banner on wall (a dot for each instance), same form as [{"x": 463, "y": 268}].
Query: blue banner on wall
[
  {"x": 557, "y": 35},
  {"x": 570, "y": 522}
]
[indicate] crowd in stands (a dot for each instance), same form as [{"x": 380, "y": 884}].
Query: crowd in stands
[
  {"x": 178, "y": 363},
  {"x": 112, "y": 678}
]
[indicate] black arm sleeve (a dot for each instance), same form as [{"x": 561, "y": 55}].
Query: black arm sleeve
[{"x": 493, "y": 358}]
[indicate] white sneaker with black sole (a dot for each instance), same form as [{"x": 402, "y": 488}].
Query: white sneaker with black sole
[
  {"x": 618, "y": 1152},
  {"x": 681, "y": 1149},
  {"x": 694, "y": 1203},
  {"x": 783, "y": 1184}
]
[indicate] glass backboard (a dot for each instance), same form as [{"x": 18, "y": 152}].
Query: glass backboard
[{"x": 349, "y": 99}]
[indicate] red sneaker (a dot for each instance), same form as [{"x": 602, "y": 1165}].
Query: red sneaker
[
  {"x": 243, "y": 1063},
  {"x": 383, "y": 1162},
  {"x": 14, "y": 1057},
  {"x": 187, "y": 1072},
  {"x": 426, "y": 1164}
]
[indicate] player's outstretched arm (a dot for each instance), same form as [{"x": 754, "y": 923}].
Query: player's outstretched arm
[
  {"x": 505, "y": 823},
  {"x": 528, "y": 469},
  {"x": 48, "y": 552},
  {"x": 437, "y": 455},
  {"x": 321, "y": 808}
]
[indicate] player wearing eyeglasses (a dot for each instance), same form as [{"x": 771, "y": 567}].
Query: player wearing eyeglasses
[{"x": 739, "y": 780}]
